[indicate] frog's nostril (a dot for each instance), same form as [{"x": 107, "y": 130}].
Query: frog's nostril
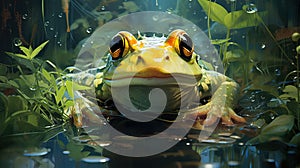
[
  {"x": 167, "y": 58},
  {"x": 140, "y": 59}
]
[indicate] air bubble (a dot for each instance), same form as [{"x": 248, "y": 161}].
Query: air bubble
[
  {"x": 51, "y": 28},
  {"x": 263, "y": 46},
  {"x": 251, "y": 8},
  {"x": 60, "y": 15},
  {"x": 102, "y": 8},
  {"x": 25, "y": 16},
  {"x": 277, "y": 72},
  {"x": 17, "y": 42},
  {"x": 33, "y": 88},
  {"x": 46, "y": 23},
  {"x": 59, "y": 43},
  {"x": 89, "y": 30}
]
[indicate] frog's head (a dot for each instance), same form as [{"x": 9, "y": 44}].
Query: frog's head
[
  {"x": 152, "y": 60},
  {"x": 168, "y": 63}
]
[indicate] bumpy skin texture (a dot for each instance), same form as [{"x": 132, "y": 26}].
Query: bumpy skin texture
[{"x": 151, "y": 63}]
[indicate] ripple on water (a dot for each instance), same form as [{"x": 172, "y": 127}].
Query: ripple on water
[
  {"x": 95, "y": 159},
  {"x": 36, "y": 152}
]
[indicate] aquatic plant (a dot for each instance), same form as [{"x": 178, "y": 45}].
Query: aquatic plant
[
  {"x": 236, "y": 19},
  {"x": 36, "y": 101},
  {"x": 279, "y": 113}
]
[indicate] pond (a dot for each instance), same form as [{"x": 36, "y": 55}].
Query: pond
[{"x": 153, "y": 83}]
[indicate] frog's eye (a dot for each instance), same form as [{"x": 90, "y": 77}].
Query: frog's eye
[
  {"x": 118, "y": 46},
  {"x": 121, "y": 44},
  {"x": 182, "y": 43}
]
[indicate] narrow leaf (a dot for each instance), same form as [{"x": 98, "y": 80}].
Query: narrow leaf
[
  {"x": 36, "y": 51},
  {"x": 60, "y": 94},
  {"x": 69, "y": 85},
  {"x": 25, "y": 50},
  {"x": 16, "y": 55}
]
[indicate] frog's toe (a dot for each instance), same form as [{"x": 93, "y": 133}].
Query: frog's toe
[
  {"x": 210, "y": 120},
  {"x": 236, "y": 117}
]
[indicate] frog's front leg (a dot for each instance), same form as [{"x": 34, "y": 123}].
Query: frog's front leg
[{"x": 224, "y": 96}]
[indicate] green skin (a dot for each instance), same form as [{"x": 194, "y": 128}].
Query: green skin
[{"x": 155, "y": 64}]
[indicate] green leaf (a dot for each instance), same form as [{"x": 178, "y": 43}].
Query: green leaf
[
  {"x": 277, "y": 129},
  {"x": 60, "y": 94},
  {"x": 214, "y": 11},
  {"x": 3, "y": 79},
  {"x": 296, "y": 140},
  {"x": 77, "y": 86},
  {"x": 241, "y": 19},
  {"x": 280, "y": 126},
  {"x": 69, "y": 85},
  {"x": 290, "y": 92},
  {"x": 3, "y": 107},
  {"x": 16, "y": 55},
  {"x": 16, "y": 103},
  {"x": 26, "y": 51},
  {"x": 37, "y": 50},
  {"x": 234, "y": 55},
  {"x": 219, "y": 41},
  {"x": 46, "y": 74}
]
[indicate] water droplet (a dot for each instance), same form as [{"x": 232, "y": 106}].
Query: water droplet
[
  {"x": 17, "y": 42},
  {"x": 263, "y": 46},
  {"x": 60, "y": 15},
  {"x": 59, "y": 43},
  {"x": 190, "y": 0},
  {"x": 251, "y": 8},
  {"x": 155, "y": 18},
  {"x": 205, "y": 17},
  {"x": 33, "y": 88},
  {"x": 295, "y": 78},
  {"x": 51, "y": 28},
  {"x": 102, "y": 8},
  {"x": 56, "y": 34},
  {"x": 252, "y": 100},
  {"x": 46, "y": 23},
  {"x": 188, "y": 144},
  {"x": 232, "y": 0},
  {"x": 89, "y": 30},
  {"x": 277, "y": 72},
  {"x": 25, "y": 16}
]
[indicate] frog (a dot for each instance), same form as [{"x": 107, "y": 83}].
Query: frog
[{"x": 140, "y": 65}]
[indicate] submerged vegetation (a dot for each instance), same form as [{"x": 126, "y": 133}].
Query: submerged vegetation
[{"x": 33, "y": 89}]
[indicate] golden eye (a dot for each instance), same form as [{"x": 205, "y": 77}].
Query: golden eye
[
  {"x": 185, "y": 46},
  {"x": 121, "y": 44},
  {"x": 118, "y": 47},
  {"x": 182, "y": 43}
]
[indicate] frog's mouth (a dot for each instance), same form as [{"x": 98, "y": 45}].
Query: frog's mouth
[{"x": 151, "y": 76}]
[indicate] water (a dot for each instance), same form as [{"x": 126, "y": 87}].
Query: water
[{"x": 254, "y": 42}]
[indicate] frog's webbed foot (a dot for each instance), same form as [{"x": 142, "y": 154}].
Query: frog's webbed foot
[
  {"x": 85, "y": 110},
  {"x": 215, "y": 112}
]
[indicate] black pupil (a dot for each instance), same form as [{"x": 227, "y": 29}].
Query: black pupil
[
  {"x": 185, "y": 42},
  {"x": 117, "y": 43}
]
